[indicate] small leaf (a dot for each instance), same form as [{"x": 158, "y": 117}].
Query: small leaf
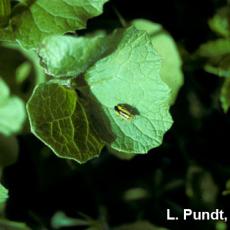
[
  {"x": 42, "y": 18},
  {"x": 58, "y": 118},
  {"x": 134, "y": 194},
  {"x": 23, "y": 72},
  {"x": 214, "y": 48},
  {"x": 201, "y": 188},
  {"x": 220, "y": 22},
  {"x": 225, "y": 95},
  {"x": 31, "y": 56},
  {"x": 130, "y": 76},
  {"x": 66, "y": 56},
  {"x": 12, "y": 113},
  {"x": 3, "y": 194},
  {"x": 227, "y": 189},
  {"x": 4, "y": 91},
  {"x": 171, "y": 64},
  {"x": 60, "y": 220},
  {"x": 219, "y": 66}
]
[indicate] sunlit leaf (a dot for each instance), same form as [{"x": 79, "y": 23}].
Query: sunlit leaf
[
  {"x": 171, "y": 63},
  {"x": 130, "y": 77}
]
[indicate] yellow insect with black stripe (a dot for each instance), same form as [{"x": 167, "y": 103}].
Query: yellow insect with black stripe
[{"x": 126, "y": 111}]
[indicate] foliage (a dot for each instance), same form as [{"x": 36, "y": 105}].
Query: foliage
[
  {"x": 3, "y": 194},
  {"x": 217, "y": 52},
  {"x": 83, "y": 87},
  {"x": 75, "y": 63},
  {"x": 12, "y": 111}
]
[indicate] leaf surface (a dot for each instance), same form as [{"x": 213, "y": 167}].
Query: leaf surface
[
  {"x": 40, "y": 19},
  {"x": 171, "y": 64},
  {"x": 67, "y": 56},
  {"x": 130, "y": 75},
  {"x": 58, "y": 118}
]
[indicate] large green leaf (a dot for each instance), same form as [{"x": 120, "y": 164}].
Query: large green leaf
[
  {"x": 42, "y": 18},
  {"x": 220, "y": 23},
  {"x": 164, "y": 44},
  {"x": 130, "y": 77},
  {"x": 3, "y": 194},
  {"x": 12, "y": 112},
  {"x": 58, "y": 118},
  {"x": 66, "y": 56}
]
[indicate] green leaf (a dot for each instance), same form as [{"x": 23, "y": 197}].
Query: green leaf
[
  {"x": 130, "y": 76},
  {"x": 218, "y": 56},
  {"x": 221, "y": 225},
  {"x": 22, "y": 72},
  {"x": 220, "y": 22},
  {"x": 164, "y": 44},
  {"x": 3, "y": 194},
  {"x": 227, "y": 189},
  {"x": 12, "y": 112},
  {"x": 213, "y": 49},
  {"x": 134, "y": 194},
  {"x": 139, "y": 225},
  {"x": 42, "y": 18},
  {"x": 4, "y": 91},
  {"x": 225, "y": 95},
  {"x": 219, "y": 66},
  {"x": 66, "y": 56},
  {"x": 58, "y": 118},
  {"x": 201, "y": 188},
  {"x": 60, "y": 220}
]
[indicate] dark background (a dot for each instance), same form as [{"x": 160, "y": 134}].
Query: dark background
[{"x": 41, "y": 184}]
